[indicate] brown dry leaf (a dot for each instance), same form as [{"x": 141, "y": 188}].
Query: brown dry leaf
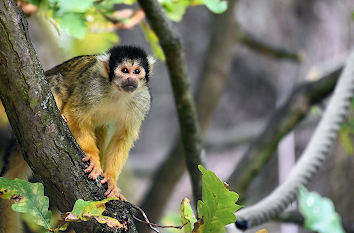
[{"x": 111, "y": 222}]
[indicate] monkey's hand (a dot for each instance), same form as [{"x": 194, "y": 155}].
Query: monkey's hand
[
  {"x": 113, "y": 190},
  {"x": 94, "y": 169}
]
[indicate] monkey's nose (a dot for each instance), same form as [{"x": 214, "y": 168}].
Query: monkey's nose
[{"x": 130, "y": 84}]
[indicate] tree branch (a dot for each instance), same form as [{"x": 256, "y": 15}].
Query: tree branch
[
  {"x": 266, "y": 49},
  {"x": 187, "y": 115},
  {"x": 216, "y": 71},
  {"x": 282, "y": 122},
  {"x": 45, "y": 141}
]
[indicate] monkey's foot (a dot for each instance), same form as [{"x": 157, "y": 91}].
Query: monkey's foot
[
  {"x": 113, "y": 190},
  {"x": 94, "y": 169}
]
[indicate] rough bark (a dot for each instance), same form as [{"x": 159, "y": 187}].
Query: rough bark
[
  {"x": 214, "y": 76},
  {"x": 46, "y": 143},
  {"x": 281, "y": 123}
]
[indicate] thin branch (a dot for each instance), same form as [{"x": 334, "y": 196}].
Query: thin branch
[
  {"x": 236, "y": 135},
  {"x": 286, "y": 118},
  {"x": 133, "y": 19},
  {"x": 160, "y": 226},
  {"x": 108, "y": 18},
  {"x": 215, "y": 71},
  {"x": 145, "y": 217},
  {"x": 152, "y": 224},
  {"x": 267, "y": 49},
  {"x": 187, "y": 114}
]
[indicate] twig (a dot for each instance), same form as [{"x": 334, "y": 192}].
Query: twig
[
  {"x": 145, "y": 217},
  {"x": 108, "y": 18},
  {"x": 160, "y": 226},
  {"x": 266, "y": 49},
  {"x": 134, "y": 19}
]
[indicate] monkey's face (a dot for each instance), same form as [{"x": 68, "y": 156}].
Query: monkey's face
[{"x": 129, "y": 75}]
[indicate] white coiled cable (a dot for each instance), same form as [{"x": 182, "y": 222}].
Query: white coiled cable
[{"x": 312, "y": 158}]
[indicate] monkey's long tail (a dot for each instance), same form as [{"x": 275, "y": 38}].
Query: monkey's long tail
[{"x": 312, "y": 158}]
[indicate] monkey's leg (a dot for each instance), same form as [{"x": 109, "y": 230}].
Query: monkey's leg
[
  {"x": 115, "y": 157},
  {"x": 85, "y": 135}
]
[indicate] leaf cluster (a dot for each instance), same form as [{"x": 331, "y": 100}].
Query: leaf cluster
[
  {"x": 78, "y": 18},
  {"x": 215, "y": 211},
  {"x": 29, "y": 198}
]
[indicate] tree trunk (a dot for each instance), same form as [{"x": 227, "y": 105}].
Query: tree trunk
[{"x": 46, "y": 143}]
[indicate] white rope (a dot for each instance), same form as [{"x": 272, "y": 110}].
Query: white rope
[{"x": 312, "y": 158}]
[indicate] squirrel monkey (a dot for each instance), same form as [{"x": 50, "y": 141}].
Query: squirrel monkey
[{"x": 94, "y": 90}]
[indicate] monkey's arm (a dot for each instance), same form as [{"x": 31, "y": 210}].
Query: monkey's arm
[
  {"x": 84, "y": 134},
  {"x": 116, "y": 154}
]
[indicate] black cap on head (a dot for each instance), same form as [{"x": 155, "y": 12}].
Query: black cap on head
[{"x": 119, "y": 53}]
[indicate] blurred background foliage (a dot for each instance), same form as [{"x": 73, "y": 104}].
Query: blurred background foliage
[{"x": 257, "y": 51}]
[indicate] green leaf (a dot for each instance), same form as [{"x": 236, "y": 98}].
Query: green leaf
[
  {"x": 154, "y": 41},
  {"x": 175, "y": 9},
  {"x": 75, "y": 23},
  {"x": 319, "y": 213},
  {"x": 87, "y": 210},
  {"x": 216, "y": 6},
  {"x": 187, "y": 215},
  {"x": 70, "y": 6},
  {"x": 28, "y": 198},
  {"x": 218, "y": 205}
]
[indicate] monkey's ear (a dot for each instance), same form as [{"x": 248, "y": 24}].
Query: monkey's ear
[
  {"x": 103, "y": 64},
  {"x": 151, "y": 61}
]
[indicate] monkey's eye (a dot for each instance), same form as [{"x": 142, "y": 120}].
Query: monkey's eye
[
  {"x": 136, "y": 71},
  {"x": 125, "y": 70}
]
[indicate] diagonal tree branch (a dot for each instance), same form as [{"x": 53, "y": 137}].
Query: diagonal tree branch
[
  {"x": 45, "y": 141},
  {"x": 214, "y": 77},
  {"x": 266, "y": 49},
  {"x": 171, "y": 44},
  {"x": 282, "y": 122}
]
